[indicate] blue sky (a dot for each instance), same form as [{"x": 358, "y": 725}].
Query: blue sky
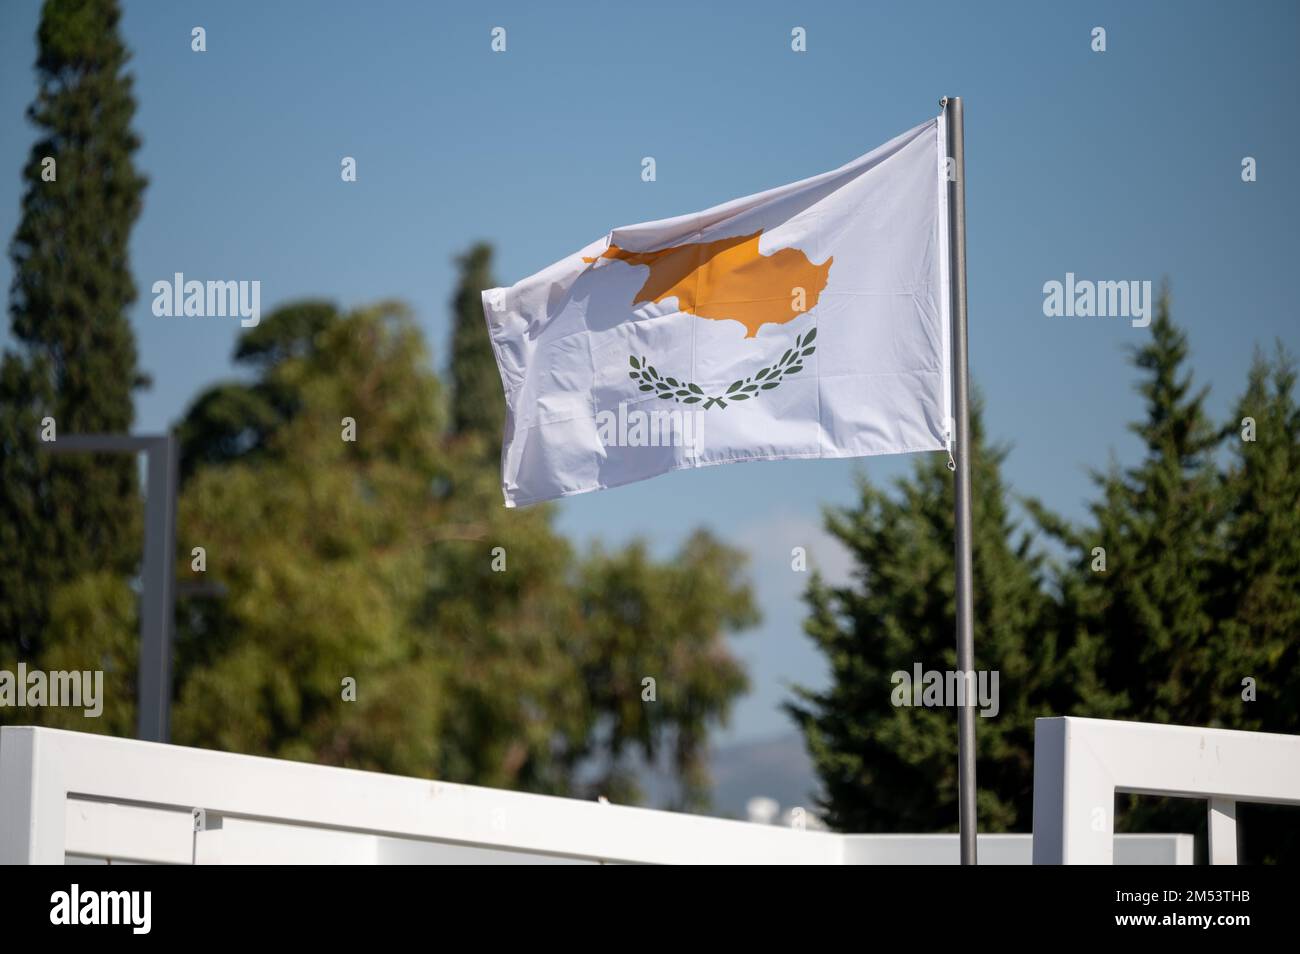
[{"x": 1116, "y": 165}]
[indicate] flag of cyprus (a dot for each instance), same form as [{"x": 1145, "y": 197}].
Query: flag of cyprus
[{"x": 807, "y": 321}]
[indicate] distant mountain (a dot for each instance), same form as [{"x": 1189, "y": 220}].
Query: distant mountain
[{"x": 777, "y": 768}]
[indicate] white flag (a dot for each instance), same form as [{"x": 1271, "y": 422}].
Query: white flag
[{"x": 807, "y": 321}]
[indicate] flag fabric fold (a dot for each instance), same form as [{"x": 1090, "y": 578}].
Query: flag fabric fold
[{"x": 807, "y": 321}]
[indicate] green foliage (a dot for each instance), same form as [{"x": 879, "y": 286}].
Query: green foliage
[
  {"x": 95, "y": 620},
  {"x": 236, "y": 421},
  {"x": 1259, "y": 616},
  {"x": 378, "y": 560},
  {"x": 643, "y": 618},
  {"x": 75, "y": 360}
]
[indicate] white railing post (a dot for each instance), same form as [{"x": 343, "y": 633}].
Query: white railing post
[
  {"x": 1080, "y": 764},
  {"x": 32, "y": 801},
  {"x": 1223, "y": 831},
  {"x": 1074, "y": 800}
]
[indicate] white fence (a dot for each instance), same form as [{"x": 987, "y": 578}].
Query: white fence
[
  {"x": 69, "y": 796},
  {"x": 1080, "y": 764},
  {"x": 68, "y": 793}
]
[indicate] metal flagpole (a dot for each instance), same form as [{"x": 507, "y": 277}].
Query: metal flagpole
[{"x": 967, "y": 821}]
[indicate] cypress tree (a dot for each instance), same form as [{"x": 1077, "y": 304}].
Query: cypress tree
[
  {"x": 75, "y": 357},
  {"x": 477, "y": 404}
]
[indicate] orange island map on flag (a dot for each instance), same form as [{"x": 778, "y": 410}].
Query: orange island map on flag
[
  {"x": 807, "y": 321},
  {"x": 728, "y": 279}
]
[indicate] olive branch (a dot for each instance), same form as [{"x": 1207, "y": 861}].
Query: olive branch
[{"x": 685, "y": 392}]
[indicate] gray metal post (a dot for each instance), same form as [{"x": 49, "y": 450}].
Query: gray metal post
[
  {"x": 158, "y": 600},
  {"x": 157, "y": 609},
  {"x": 967, "y": 820}
]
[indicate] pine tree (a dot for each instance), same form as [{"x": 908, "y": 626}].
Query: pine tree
[
  {"x": 1141, "y": 585},
  {"x": 890, "y": 768},
  {"x": 1137, "y": 588},
  {"x": 1256, "y": 652},
  {"x": 477, "y": 403},
  {"x": 1261, "y": 577},
  {"x": 66, "y": 516},
  {"x": 1159, "y": 526}
]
